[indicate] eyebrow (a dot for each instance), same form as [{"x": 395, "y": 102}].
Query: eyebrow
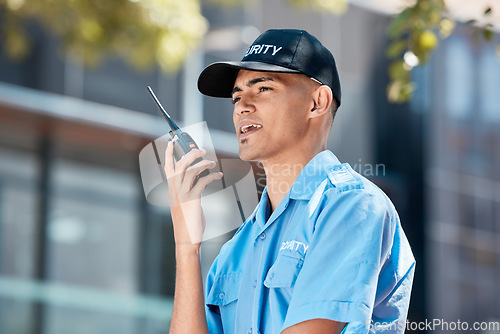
[{"x": 251, "y": 83}]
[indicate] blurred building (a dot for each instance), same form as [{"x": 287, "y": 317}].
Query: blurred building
[
  {"x": 82, "y": 251},
  {"x": 462, "y": 180},
  {"x": 445, "y": 145}
]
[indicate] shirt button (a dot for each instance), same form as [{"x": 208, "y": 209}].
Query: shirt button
[
  {"x": 255, "y": 283},
  {"x": 250, "y": 331},
  {"x": 263, "y": 235},
  {"x": 271, "y": 275},
  {"x": 221, "y": 295}
]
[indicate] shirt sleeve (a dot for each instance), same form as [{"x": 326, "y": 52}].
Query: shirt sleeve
[
  {"x": 212, "y": 312},
  {"x": 214, "y": 320},
  {"x": 352, "y": 236}
]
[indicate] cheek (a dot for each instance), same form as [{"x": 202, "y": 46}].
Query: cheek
[
  {"x": 236, "y": 119},
  {"x": 293, "y": 113},
  {"x": 287, "y": 127}
]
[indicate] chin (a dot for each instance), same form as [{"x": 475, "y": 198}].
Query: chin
[{"x": 246, "y": 155}]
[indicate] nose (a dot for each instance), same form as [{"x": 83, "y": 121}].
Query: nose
[{"x": 244, "y": 106}]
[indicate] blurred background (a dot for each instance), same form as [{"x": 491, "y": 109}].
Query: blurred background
[{"x": 82, "y": 251}]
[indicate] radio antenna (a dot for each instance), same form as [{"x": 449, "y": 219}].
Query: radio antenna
[{"x": 172, "y": 124}]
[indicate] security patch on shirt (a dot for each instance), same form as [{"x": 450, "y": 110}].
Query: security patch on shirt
[{"x": 344, "y": 178}]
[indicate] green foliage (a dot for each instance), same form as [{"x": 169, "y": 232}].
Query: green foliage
[
  {"x": 414, "y": 37},
  {"x": 143, "y": 32},
  {"x": 225, "y": 2},
  {"x": 336, "y": 7}
]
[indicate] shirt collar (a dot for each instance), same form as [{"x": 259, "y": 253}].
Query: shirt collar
[
  {"x": 313, "y": 174},
  {"x": 260, "y": 209},
  {"x": 304, "y": 186},
  {"x": 264, "y": 209}
]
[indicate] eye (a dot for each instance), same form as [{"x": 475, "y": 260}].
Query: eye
[
  {"x": 236, "y": 99},
  {"x": 263, "y": 89}
]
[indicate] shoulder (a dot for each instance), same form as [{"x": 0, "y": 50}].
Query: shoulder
[
  {"x": 351, "y": 205},
  {"x": 345, "y": 187}
]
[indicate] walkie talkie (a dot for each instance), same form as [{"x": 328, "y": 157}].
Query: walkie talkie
[{"x": 183, "y": 143}]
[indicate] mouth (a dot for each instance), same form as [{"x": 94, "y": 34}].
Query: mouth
[{"x": 249, "y": 129}]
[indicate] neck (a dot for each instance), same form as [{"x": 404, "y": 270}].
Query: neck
[{"x": 281, "y": 173}]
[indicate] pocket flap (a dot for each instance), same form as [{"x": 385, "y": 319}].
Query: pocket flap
[
  {"x": 283, "y": 272},
  {"x": 225, "y": 289}
]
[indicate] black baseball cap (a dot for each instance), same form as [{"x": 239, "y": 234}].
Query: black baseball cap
[{"x": 276, "y": 50}]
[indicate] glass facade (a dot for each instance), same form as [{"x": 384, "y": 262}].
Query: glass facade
[
  {"x": 18, "y": 218},
  {"x": 462, "y": 182},
  {"x": 81, "y": 250}
]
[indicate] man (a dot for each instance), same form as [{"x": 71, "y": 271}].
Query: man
[{"x": 324, "y": 251}]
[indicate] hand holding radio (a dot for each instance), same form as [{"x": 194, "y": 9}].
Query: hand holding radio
[
  {"x": 185, "y": 200},
  {"x": 187, "y": 176},
  {"x": 183, "y": 143}
]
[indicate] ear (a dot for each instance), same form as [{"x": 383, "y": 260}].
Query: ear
[{"x": 322, "y": 100}]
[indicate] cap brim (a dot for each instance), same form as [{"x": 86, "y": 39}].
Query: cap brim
[{"x": 217, "y": 79}]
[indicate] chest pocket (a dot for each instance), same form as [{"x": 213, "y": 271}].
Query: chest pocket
[
  {"x": 283, "y": 273},
  {"x": 225, "y": 289}
]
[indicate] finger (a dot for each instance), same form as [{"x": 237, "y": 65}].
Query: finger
[
  {"x": 204, "y": 181},
  {"x": 174, "y": 180},
  {"x": 169, "y": 160},
  {"x": 187, "y": 159},
  {"x": 170, "y": 173},
  {"x": 193, "y": 171}
]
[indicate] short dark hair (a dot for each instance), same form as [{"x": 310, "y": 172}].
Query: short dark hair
[{"x": 333, "y": 108}]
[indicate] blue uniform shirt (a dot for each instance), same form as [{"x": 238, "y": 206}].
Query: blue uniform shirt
[{"x": 332, "y": 249}]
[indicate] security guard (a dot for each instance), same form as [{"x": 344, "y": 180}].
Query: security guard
[{"x": 324, "y": 251}]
